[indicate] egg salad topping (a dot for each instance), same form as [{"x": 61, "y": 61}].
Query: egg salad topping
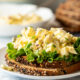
[
  {"x": 42, "y": 44},
  {"x": 21, "y": 19}
]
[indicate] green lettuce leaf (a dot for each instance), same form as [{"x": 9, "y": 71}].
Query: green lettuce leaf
[{"x": 77, "y": 45}]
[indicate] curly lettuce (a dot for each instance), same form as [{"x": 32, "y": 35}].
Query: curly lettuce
[{"x": 43, "y": 56}]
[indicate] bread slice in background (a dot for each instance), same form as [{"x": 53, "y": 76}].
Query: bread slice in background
[{"x": 68, "y": 13}]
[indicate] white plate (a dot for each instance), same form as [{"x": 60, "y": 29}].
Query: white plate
[
  {"x": 16, "y": 74},
  {"x": 13, "y": 29}
]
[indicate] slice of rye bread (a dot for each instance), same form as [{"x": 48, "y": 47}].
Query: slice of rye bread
[
  {"x": 45, "y": 64},
  {"x": 70, "y": 5},
  {"x": 68, "y": 21},
  {"x": 38, "y": 71},
  {"x": 68, "y": 14}
]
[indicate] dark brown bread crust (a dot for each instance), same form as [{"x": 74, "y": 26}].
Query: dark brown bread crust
[
  {"x": 38, "y": 71},
  {"x": 45, "y": 64}
]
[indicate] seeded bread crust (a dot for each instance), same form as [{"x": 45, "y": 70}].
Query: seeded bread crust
[
  {"x": 45, "y": 64},
  {"x": 38, "y": 71}
]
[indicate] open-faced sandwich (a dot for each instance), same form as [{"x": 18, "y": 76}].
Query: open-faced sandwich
[{"x": 44, "y": 52}]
